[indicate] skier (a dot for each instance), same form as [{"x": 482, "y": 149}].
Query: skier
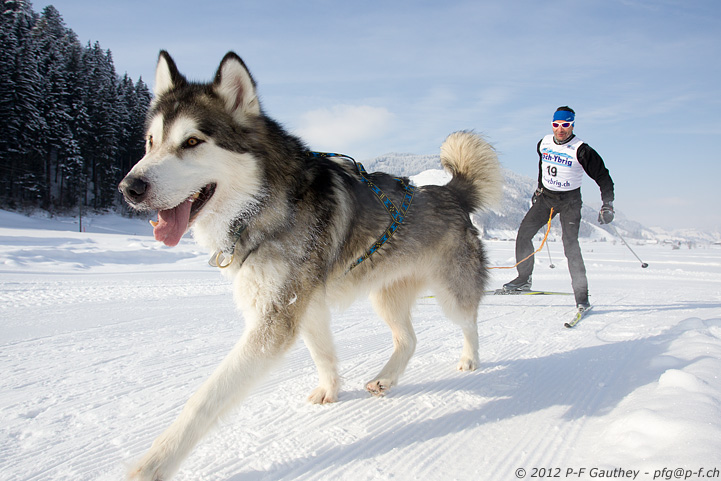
[{"x": 563, "y": 158}]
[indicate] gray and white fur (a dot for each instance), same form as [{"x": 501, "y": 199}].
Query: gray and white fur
[{"x": 288, "y": 226}]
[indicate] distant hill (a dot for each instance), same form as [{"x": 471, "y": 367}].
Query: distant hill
[
  {"x": 403, "y": 164},
  {"x": 502, "y": 222}
]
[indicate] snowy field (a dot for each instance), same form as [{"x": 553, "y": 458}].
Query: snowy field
[{"x": 105, "y": 334}]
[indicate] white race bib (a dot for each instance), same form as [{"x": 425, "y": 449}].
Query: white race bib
[{"x": 560, "y": 169}]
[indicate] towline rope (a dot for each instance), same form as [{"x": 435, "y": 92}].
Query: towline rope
[{"x": 548, "y": 229}]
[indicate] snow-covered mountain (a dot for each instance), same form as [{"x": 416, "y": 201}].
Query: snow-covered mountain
[
  {"x": 403, "y": 164},
  {"x": 502, "y": 222}
]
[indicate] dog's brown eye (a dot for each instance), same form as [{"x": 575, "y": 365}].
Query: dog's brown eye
[
  {"x": 150, "y": 142},
  {"x": 193, "y": 142}
]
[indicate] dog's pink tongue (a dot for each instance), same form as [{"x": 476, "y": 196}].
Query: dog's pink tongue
[{"x": 172, "y": 224}]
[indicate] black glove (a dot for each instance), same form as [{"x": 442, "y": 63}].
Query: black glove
[
  {"x": 605, "y": 215},
  {"x": 536, "y": 195}
]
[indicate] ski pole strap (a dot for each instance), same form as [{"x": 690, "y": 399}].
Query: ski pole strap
[{"x": 548, "y": 229}]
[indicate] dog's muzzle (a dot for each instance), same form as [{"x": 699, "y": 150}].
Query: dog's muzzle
[{"x": 135, "y": 189}]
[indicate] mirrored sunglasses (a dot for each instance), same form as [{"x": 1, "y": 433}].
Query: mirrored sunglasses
[{"x": 565, "y": 125}]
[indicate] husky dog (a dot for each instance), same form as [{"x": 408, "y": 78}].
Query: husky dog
[{"x": 299, "y": 232}]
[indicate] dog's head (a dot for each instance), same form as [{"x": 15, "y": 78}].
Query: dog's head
[{"x": 197, "y": 167}]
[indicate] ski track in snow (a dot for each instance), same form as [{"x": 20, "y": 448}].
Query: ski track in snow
[{"x": 106, "y": 335}]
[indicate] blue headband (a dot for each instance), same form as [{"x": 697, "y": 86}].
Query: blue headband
[{"x": 563, "y": 115}]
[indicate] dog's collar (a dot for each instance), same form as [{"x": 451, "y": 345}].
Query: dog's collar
[{"x": 223, "y": 259}]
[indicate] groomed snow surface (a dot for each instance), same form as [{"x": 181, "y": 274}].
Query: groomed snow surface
[{"x": 105, "y": 334}]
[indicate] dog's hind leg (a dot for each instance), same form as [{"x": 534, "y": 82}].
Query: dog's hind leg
[
  {"x": 464, "y": 313},
  {"x": 317, "y": 336},
  {"x": 459, "y": 282},
  {"x": 460, "y": 304},
  {"x": 260, "y": 347},
  {"x": 469, "y": 354},
  {"x": 394, "y": 303}
]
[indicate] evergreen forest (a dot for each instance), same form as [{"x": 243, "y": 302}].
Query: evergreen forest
[{"x": 70, "y": 126}]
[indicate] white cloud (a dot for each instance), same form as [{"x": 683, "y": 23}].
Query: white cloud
[{"x": 344, "y": 127}]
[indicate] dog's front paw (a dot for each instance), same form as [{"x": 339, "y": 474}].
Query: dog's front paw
[
  {"x": 156, "y": 465},
  {"x": 321, "y": 395},
  {"x": 467, "y": 364},
  {"x": 379, "y": 387},
  {"x": 144, "y": 472}
]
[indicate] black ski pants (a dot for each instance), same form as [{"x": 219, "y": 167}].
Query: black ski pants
[{"x": 568, "y": 206}]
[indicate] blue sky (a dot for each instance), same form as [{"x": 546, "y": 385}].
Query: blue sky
[{"x": 372, "y": 77}]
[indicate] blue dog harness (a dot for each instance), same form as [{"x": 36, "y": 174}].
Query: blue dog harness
[{"x": 397, "y": 215}]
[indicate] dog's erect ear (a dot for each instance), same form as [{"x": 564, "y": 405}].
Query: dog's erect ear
[
  {"x": 234, "y": 84},
  {"x": 167, "y": 76}
]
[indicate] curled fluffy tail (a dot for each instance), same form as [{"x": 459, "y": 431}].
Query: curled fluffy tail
[{"x": 475, "y": 168}]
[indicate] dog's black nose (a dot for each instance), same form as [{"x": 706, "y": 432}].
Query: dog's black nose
[{"x": 134, "y": 188}]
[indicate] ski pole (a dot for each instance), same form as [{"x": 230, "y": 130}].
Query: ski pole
[
  {"x": 643, "y": 264},
  {"x": 549, "y": 257}
]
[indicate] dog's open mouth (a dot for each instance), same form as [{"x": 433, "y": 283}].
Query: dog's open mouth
[{"x": 173, "y": 223}]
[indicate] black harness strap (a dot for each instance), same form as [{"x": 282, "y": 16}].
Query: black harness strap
[{"x": 397, "y": 215}]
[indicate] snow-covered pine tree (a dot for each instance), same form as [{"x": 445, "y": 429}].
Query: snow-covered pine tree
[{"x": 71, "y": 128}]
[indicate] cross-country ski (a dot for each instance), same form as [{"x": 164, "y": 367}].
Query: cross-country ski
[
  {"x": 504, "y": 292},
  {"x": 580, "y": 314}
]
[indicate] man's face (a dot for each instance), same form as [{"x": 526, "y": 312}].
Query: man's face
[{"x": 560, "y": 132}]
